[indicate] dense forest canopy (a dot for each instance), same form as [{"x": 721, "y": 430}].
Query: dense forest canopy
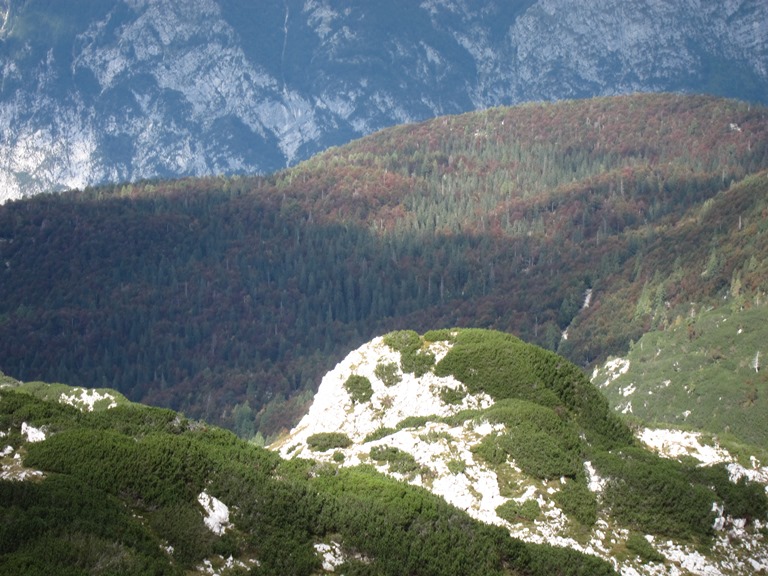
[{"x": 228, "y": 298}]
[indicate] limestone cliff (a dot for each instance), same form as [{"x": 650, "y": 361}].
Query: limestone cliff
[{"x": 114, "y": 91}]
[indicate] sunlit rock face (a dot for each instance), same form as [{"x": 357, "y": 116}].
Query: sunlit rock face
[{"x": 136, "y": 89}]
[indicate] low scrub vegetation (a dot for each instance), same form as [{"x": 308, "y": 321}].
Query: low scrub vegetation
[
  {"x": 388, "y": 373},
  {"x": 323, "y": 441},
  {"x": 121, "y": 486},
  {"x": 398, "y": 460},
  {"x": 378, "y": 434},
  {"x": 654, "y": 495},
  {"x": 577, "y": 502},
  {"x": 639, "y": 545},
  {"x": 514, "y": 512},
  {"x": 414, "y": 359},
  {"x": 505, "y": 367},
  {"x": 359, "y": 388}
]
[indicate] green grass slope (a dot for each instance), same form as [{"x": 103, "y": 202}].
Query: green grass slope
[
  {"x": 699, "y": 363},
  {"x": 706, "y": 372}
]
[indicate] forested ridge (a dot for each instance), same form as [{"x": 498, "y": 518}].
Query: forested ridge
[{"x": 228, "y": 298}]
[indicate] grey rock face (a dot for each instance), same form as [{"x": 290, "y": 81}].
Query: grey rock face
[{"x": 94, "y": 91}]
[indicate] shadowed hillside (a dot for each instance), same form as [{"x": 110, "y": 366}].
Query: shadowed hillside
[{"x": 228, "y": 298}]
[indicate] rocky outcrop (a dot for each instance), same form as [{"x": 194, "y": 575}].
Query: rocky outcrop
[
  {"x": 404, "y": 427},
  {"x": 137, "y": 89}
]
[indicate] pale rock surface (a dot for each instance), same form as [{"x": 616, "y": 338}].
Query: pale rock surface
[
  {"x": 32, "y": 434},
  {"x": 216, "y": 513},
  {"x": 331, "y": 555},
  {"x": 678, "y": 443},
  {"x": 86, "y": 398}
]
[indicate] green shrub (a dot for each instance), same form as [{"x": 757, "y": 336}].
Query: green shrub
[
  {"x": 403, "y": 340},
  {"x": 498, "y": 367},
  {"x": 388, "y": 373},
  {"x": 461, "y": 417},
  {"x": 418, "y": 362},
  {"x": 513, "y": 412},
  {"x": 435, "y": 436},
  {"x": 157, "y": 470},
  {"x": 536, "y": 452},
  {"x": 138, "y": 421},
  {"x": 323, "y": 441},
  {"x": 513, "y": 512},
  {"x": 63, "y": 526},
  {"x": 183, "y": 527},
  {"x": 453, "y": 396},
  {"x": 398, "y": 460},
  {"x": 441, "y": 335},
  {"x": 741, "y": 499},
  {"x": 577, "y": 502},
  {"x": 456, "y": 466},
  {"x": 414, "y": 421},
  {"x": 17, "y": 407},
  {"x": 338, "y": 457},
  {"x": 559, "y": 561},
  {"x": 407, "y": 530},
  {"x": 413, "y": 360},
  {"x": 505, "y": 367},
  {"x": 491, "y": 450},
  {"x": 530, "y": 510},
  {"x": 640, "y": 546},
  {"x": 541, "y": 454},
  {"x": 655, "y": 495},
  {"x": 746, "y": 499},
  {"x": 359, "y": 388},
  {"x": 378, "y": 434}
]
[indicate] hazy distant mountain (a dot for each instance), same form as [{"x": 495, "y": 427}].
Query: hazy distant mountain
[{"x": 94, "y": 91}]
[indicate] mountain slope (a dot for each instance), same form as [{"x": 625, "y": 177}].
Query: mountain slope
[
  {"x": 228, "y": 298},
  {"x": 135, "y": 490},
  {"x": 138, "y": 490},
  {"x": 518, "y": 438},
  {"x": 705, "y": 372},
  {"x": 700, "y": 362},
  {"x": 98, "y": 92}
]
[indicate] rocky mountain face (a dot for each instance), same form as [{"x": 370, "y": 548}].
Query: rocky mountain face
[
  {"x": 431, "y": 428},
  {"x": 114, "y": 91}
]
